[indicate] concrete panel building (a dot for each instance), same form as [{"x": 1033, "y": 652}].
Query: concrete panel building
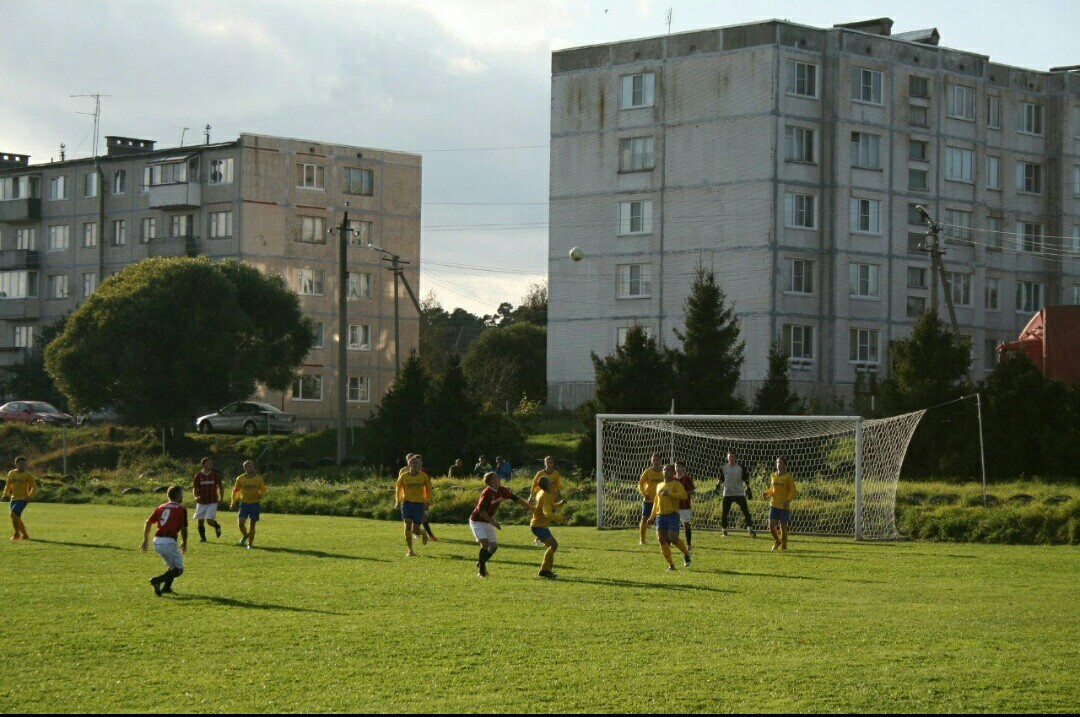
[
  {"x": 789, "y": 159},
  {"x": 65, "y": 226}
]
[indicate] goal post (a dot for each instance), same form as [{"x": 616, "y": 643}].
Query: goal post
[{"x": 846, "y": 468}]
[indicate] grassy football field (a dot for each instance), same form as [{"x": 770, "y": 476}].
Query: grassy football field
[{"x": 327, "y": 615}]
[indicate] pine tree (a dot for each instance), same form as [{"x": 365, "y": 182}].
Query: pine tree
[
  {"x": 400, "y": 424},
  {"x": 775, "y": 397},
  {"x": 452, "y": 408}
]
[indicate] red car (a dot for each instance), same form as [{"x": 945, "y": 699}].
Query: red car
[{"x": 36, "y": 413}]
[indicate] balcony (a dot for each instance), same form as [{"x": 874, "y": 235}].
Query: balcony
[
  {"x": 20, "y": 210},
  {"x": 173, "y": 246},
  {"x": 175, "y": 196},
  {"x": 19, "y": 308},
  {"x": 11, "y": 259}
]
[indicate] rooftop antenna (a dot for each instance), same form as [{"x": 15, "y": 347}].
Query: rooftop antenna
[
  {"x": 62, "y": 148},
  {"x": 182, "y": 133},
  {"x": 206, "y": 133},
  {"x": 96, "y": 115},
  {"x": 670, "y": 12}
]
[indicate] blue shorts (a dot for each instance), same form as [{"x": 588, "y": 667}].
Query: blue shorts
[
  {"x": 249, "y": 510},
  {"x": 669, "y": 523},
  {"x": 18, "y": 506},
  {"x": 412, "y": 511},
  {"x": 542, "y": 534},
  {"x": 779, "y": 514},
  {"x": 646, "y": 509}
]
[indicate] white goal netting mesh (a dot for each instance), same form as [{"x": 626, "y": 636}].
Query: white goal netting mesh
[{"x": 820, "y": 454}]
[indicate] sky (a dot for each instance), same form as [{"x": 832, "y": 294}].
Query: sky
[{"x": 466, "y": 83}]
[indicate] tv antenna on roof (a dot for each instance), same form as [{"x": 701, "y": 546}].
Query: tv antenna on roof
[
  {"x": 670, "y": 12},
  {"x": 96, "y": 114}
]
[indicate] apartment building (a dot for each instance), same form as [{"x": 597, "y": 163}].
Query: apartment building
[
  {"x": 790, "y": 160},
  {"x": 269, "y": 201}
]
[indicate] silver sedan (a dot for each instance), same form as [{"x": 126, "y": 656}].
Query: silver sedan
[{"x": 247, "y": 417}]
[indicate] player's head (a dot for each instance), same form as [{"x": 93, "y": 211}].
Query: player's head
[
  {"x": 669, "y": 471},
  {"x": 457, "y": 462},
  {"x": 731, "y": 458},
  {"x": 781, "y": 465},
  {"x": 175, "y": 493},
  {"x": 680, "y": 468},
  {"x": 492, "y": 480},
  {"x": 20, "y": 463},
  {"x": 415, "y": 461},
  {"x": 207, "y": 463},
  {"x": 655, "y": 460},
  {"x": 408, "y": 458},
  {"x": 549, "y": 463},
  {"x": 482, "y": 459},
  {"x": 544, "y": 483},
  {"x": 249, "y": 467},
  {"x": 498, "y": 459}
]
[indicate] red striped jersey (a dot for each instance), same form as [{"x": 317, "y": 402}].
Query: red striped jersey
[
  {"x": 489, "y": 502},
  {"x": 170, "y": 518},
  {"x": 688, "y": 483},
  {"x": 208, "y": 487}
]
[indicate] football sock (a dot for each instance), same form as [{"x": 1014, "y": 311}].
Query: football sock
[
  {"x": 202, "y": 531},
  {"x": 682, "y": 547},
  {"x": 427, "y": 527},
  {"x": 549, "y": 560},
  {"x": 169, "y": 576},
  {"x": 483, "y": 557},
  {"x": 688, "y": 534}
]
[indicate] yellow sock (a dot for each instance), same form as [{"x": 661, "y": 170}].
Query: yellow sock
[
  {"x": 549, "y": 559},
  {"x": 666, "y": 550},
  {"x": 681, "y": 546}
]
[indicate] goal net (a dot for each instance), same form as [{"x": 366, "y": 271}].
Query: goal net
[{"x": 845, "y": 468}]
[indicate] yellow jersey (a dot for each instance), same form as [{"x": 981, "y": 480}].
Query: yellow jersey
[
  {"x": 544, "y": 512},
  {"x": 781, "y": 490},
  {"x": 554, "y": 481},
  {"x": 413, "y": 488},
  {"x": 646, "y": 485},
  {"x": 20, "y": 484},
  {"x": 668, "y": 495},
  {"x": 251, "y": 489}
]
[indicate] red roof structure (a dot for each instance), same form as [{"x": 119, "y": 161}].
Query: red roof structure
[{"x": 1052, "y": 341}]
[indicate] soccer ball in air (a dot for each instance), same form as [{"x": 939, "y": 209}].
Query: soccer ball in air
[{"x": 577, "y": 254}]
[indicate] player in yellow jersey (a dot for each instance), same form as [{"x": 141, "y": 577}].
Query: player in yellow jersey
[
  {"x": 781, "y": 491},
  {"x": 554, "y": 479},
  {"x": 666, "y": 512},
  {"x": 650, "y": 478},
  {"x": 543, "y": 514},
  {"x": 252, "y": 490},
  {"x": 413, "y": 490},
  {"x": 20, "y": 488}
]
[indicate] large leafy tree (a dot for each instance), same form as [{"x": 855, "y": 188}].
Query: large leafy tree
[
  {"x": 775, "y": 397},
  {"x": 443, "y": 333},
  {"x": 506, "y": 363},
  {"x": 707, "y": 367},
  {"x": 167, "y": 338}
]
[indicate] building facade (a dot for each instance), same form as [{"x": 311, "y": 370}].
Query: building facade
[
  {"x": 268, "y": 201},
  {"x": 790, "y": 160}
]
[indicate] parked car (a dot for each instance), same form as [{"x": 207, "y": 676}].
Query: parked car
[
  {"x": 98, "y": 417},
  {"x": 247, "y": 417},
  {"x": 36, "y": 413}
]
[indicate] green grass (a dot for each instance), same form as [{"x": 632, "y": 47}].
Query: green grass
[{"x": 328, "y": 616}]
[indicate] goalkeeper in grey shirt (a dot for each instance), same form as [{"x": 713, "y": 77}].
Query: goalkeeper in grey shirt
[{"x": 736, "y": 488}]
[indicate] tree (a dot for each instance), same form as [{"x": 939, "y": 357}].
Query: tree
[
  {"x": 29, "y": 379},
  {"x": 506, "y": 363},
  {"x": 707, "y": 367},
  {"x": 443, "y": 334},
  {"x": 400, "y": 424},
  {"x": 167, "y": 338},
  {"x": 775, "y": 397},
  {"x": 451, "y": 407}
]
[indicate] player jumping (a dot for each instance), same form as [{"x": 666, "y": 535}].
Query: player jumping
[
  {"x": 21, "y": 487},
  {"x": 482, "y": 521},
  {"x": 170, "y": 519},
  {"x": 782, "y": 491},
  {"x": 413, "y": 489},
  {"x": 252, "y": 490},
  {"x": 666, "y": 511},
  {"x": 650, "y": 478},
  {"x": 543, "y": 514},
  {"x": 209, "y": 491}
]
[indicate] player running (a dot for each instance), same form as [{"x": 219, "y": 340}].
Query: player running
[
  {"x": 209, "y": 491},
  {"x": 170, "y": 519},
  {"x": 482, "y": 522},
  {"x": 782, "y": 491},
  {"x": 554, "y": 479},
  {"x": 685, "y": 512},
  {"x": 646, "y": 485},
  {"x": 252, "y": 490},
  {"x": 665, "y": 510},
  {"x": 543, "y": 514},
  {"x": 21, "y": 487},
  {"x": 425, "y": 525},
  {"x": 736, "y": 488},
  {"x": 413, "y": 490}
]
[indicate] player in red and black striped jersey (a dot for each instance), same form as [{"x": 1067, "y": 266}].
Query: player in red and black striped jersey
[
  {"x": 171, "y": 520},
  {"x": 209, "y": 491},
  {"x": 482, "y": 521}
]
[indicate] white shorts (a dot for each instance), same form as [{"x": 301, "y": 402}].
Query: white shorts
[
  {"x": 205, "y": 511},
  {"x": 684, "y": 515},
  {"x": 483, "y": 531},
  {"x": 169, "y": 552}
]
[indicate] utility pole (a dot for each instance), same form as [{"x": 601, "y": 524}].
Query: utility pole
[
  {"x": 396, "y": 264},
  {"x": 206, "y": 133},
  {"x": 341, "y": 375},
  {"x": 937, "y": 267}
]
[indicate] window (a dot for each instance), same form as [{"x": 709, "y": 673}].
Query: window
[
  {"x": 1076, "y": 180},
  {"x": 147, "y": 229},
  {"x": 798, "y": 342},
  {"x": 1029, "y": 177},
  {"x": 958, "y": 164},
  {"x": 865, "y": 150},
  {"x": 359, "y": 181},
  {"x": 622, "y": 331},
  {"x": 958, "y": 225},
  {"x": 992, "y": 356},
  {"x": 310, "y": 176},
  {"x": 310, "y": 282},
  {"x": 635, "y": 217},
  {"x": 864, "y": 280},
  {"x": 799, "y": 211},
  {"x": 147, "y": 178},
  {"x": 959, "y": 286},
  {"x": 993, "y": 112},
  {"x": 90, "y": 184},
  {"x": 24, "y": 336},
  {"x": 359, "y": 337},
  {"x": 802, "y": 79},
  {"x": 919, "y": 86},
  {"x": 25, "y": 187},
  {"x": 59, "y": 238},
  {"x": 1076, "y": 240},
  {"x": 866, "y": 216},
  {"x": 319, "y": 331},
  {"x": 58, "y": 188},
  {"x": 1029, "y": 237},
  {"x": 89, "y": 234},
  {"x": 1029, "y": 296},
  {"x": 866, "y": 86},
  {"x": 992, "y": 294},
  {"x": 359, "y": 389},
  {"x": 180, "y": 225},
  {"x": 360, "y": 285},
  {"x": 961, "y": 102},
  {"x": 119, "y": 181},
  {"x": 359, "y": 232},
  {"x": 918, "y": 116},
  {"x": 635, "y": 281},
  {"x": 221, "y": 171},
  {"x": 311, "y": 230},
  {"x": 918, "y": 150},
  {"x": 637, "y": 91},
  {"x": 799, "y": 144},
  {"x": 864, "y": 345},
  {"x": 89, "y": 283},
  {"x": 913, "y": 216},
  {"x": 220, "y": 225},
  {"x": 1076, "y": 295},
  {"x": 26, "y": 238},
  {"x": 18, "y": 284},
  {"x": 993, "y": 173},
  {"x": 916, "y": 277},
  {"x": 914, "y": 243},
  {"x": 993, "y": 233},
  {"x": 916, "y": 306},
  {"x": 801, "y": 280},
  {"x": 307, "y": 387},
  {"x": 168, "y": 173},
  {"x": 918, "y": 180},
  {"x": 636, "y": 154},
  {"x": 119, "y": 232},
  {"x": 58, "y": 286},
  {"x": 1031, "y": 118}
]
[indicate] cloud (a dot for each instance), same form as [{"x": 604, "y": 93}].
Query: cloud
[
  {"x": 466, "y": 66},
  {"x": 497, "y": 25}
]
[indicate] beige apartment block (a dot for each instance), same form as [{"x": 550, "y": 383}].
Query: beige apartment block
[
  {"x": 789, "y": 159},
  {"x": 268, "y": 201}
]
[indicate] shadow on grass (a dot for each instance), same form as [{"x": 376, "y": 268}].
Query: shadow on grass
[
  {"x": 502, "y": 546},
  {"x": 495, "y": 562},
  {"x": 230, "y": 602},
  {"x": 741, "y": 573},
  {"x": 99, "y": 546},
  {"x": 318, "y": 554},
  {"x": 619, "y": 583}
]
